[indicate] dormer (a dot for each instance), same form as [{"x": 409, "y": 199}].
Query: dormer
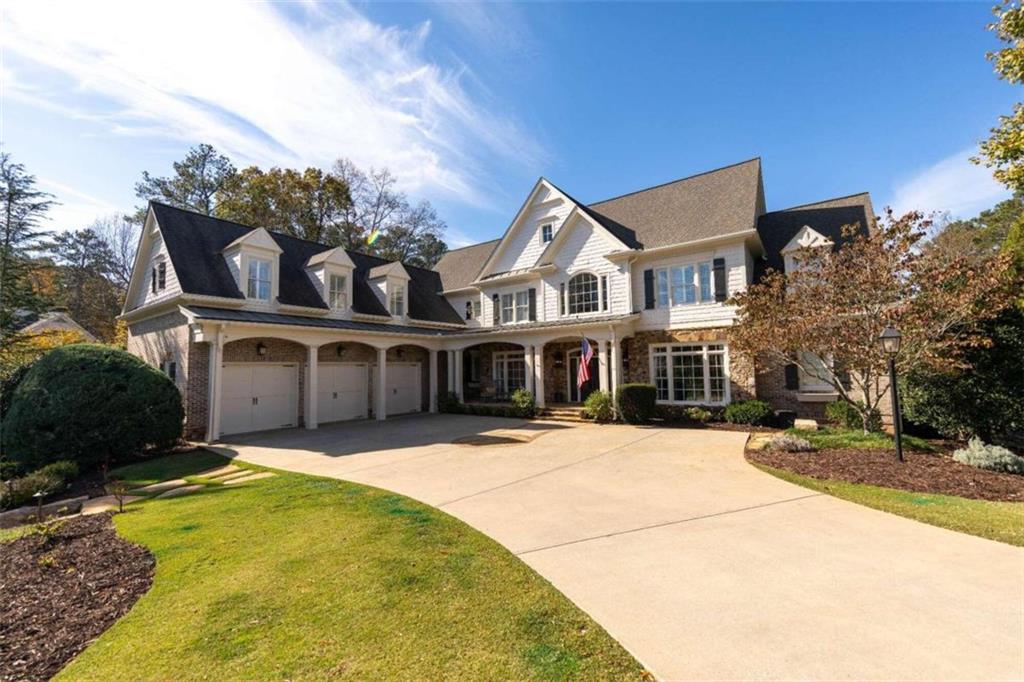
[
  {"x": 331, "y": 274},
  {"x": 254, "y": 261},
  {"x": 806, "y": 238},
  {"x": 391, "y": 284}
]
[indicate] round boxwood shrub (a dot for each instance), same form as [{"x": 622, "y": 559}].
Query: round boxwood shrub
[
  {"x": 752, "y": 412},
  {"x": 599, "y": 407},
  {"x": 95, "y": 405},
  {"x": 636, "y": 402}
]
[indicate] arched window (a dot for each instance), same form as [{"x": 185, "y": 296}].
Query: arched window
[{"x": 583, "y": 294}]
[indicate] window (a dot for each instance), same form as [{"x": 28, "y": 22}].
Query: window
[
  {"x": 693, "y": 373},
  {"x": 476, "y": 308},
  {"x": 547, "y": 232},
  {"x": 583, "y": 294},
  {"x": 259, "y": 279},
  {"x": 507, "y": 309},
  {"x": 515, "y": 307},
  {"x": 469, "y": 310},
  {"x": 338, "y": 294},
  {"x": 684, "y": 284},
  {"x": 397, "y": 302},
  {"x": 159, "y": 277},
  {"x": 522, "y": 306},
  {"x": 816, "y": 378},
  {"x": 473, "y": 309},
  {"x": 509, "y": 373}
]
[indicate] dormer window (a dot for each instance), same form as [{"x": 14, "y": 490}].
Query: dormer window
[
  {"x": 159, "y": 276},
  {"x": 397, "y": 302},
  {"x": 259, "y": 279},
  {"x": 338, "y": 292},
  {"x": 547, "y": 232}
]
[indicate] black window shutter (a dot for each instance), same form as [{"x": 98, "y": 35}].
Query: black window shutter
[
  {"x": 497, "y": 309},
  {"x": 792, "y": 378},
  {"x": 152, "y": 285},
  {"x": 533, "y": 304},
  {"x": 561, "y": 299},
  {"x": 649, "y": 289},
  {"x": 721, "y": 289},
  {"x": 162, "y": 275},
  {"x": 604, "y": 292},
  {"x": 469, "y": 310}
]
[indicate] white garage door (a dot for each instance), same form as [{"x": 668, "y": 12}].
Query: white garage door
[
  {"x": 256, "y": 397},
  {"x": 403, "y": 392},
  {"x": 342, "y": 391}
]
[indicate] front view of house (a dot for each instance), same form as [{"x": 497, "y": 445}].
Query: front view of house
[{"x": 261, "y": 331}]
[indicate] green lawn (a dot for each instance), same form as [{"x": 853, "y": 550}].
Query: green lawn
[
  {"x": 846, "y": 438},
  {"x": 166, "y": 468},
  {"x": 296, "y": 577},
  {"x": 1002, "y": 521}
]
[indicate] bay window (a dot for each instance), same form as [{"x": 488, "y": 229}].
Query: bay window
[
  {"x": 690, "y": 373},
  {"x": 684, "y": 284}
]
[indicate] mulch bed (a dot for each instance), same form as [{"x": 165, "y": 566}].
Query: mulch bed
[
  {"x": 61, "y": 590},
  {"x": 921, "y": 472}
]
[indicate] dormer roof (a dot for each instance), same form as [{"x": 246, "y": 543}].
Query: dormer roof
[
  {"x": 257, "y": 238},
  {"x": 393, "y": 269},
  {"x": 335, "y": 256}
]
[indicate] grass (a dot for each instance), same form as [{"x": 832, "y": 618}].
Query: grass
[
  {"x": 1001, "y": 521},
  {"x": 169, "y": 467},
  {"x": 828, "y": 438},
  {"x": 296, "y": 577}
]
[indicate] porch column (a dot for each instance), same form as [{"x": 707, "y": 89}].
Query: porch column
[
  {"x": 433, "y": 380},
  {"x": 380, "y": 411},
  {"x": 450, "y": 364},
  {"x": 528, "y": 360},
  {"x": 616, "y": 363},
  {"x": 602, "y": 365},
  {"x": 457, "y": 359},
  {"x": 538, "y": 382},
  {"x": 312, "y": 374},
  {"x": 215, "y": 378}
]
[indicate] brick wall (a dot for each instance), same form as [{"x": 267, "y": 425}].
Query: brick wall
[
  {"x": 485, "y": 384},
  {"x": 771, "y": 387}
]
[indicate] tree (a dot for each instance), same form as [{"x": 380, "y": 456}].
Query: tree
[
  {"x": 22, "y": 209},
  {"x": 414, "y": 237},
  {"x": 1004, "y": 149},
  {"x": 120, "y": 236},
  {"x": 84, "y": 264},
  {"x": 982, "y": 236},
  {"x": 194, "y": 185},
  {"x": 825, "y": 317}
]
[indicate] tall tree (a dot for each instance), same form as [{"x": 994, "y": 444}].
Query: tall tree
[
  {"x": 194, "y": 185},
  {"x": 85, "y": 263},
  {"x": 121, "y": 238},
  {"x": 23, "y": 207},
  {"x": 981, "y": 236},
  {"x": 414, "y": 236},
  {"x": 1004, "y": 149}
]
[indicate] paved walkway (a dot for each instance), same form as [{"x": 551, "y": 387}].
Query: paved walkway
[{"x": 702, "y": 566}]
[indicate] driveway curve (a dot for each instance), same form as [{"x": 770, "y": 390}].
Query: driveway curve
[{"x": 699, "y": 564}]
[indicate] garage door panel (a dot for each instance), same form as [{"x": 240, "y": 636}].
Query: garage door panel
[
  {"x": 256, "y": 397},
  {"x": 403, "y": 388},
  {"x": 342, "y": 392}
]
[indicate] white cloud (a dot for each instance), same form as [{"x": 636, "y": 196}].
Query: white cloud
[
  {"x": 75, "y": 210},
  {"x": 268, "y": 84},
  {"x": 953, "y": 185}
]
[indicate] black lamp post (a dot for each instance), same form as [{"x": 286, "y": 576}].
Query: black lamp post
[{"x": 890, "y": 340}]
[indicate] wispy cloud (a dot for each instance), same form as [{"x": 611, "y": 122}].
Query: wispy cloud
[
  {"x": 75, "y": 209},
  {"x": 953, "y": 185},
  {"x": 295, "y": 84}
]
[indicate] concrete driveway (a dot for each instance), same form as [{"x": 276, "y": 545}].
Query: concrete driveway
[{"x": 699, "y": 564}]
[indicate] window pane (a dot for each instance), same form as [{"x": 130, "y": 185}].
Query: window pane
[
  {"x": 661, "y": 376},
  {"x": 506, "y": 307},
  {"x": 678, "y": 292},
  {"x": 716, "y": 371},
  {"x": 583, "y": 294},
  {"x": 522, "y": 306},
  {"x": 688, "y": 377},
  {"x": 662, "y": 288},
  {"x": 690, "y": 287},
  {"x": 705, "y": 282}
]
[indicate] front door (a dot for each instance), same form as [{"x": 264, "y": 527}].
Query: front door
[{"x": 578, "y": 395}]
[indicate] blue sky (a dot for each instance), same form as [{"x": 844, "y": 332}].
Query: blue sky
[{"x": 469, "y": 103}]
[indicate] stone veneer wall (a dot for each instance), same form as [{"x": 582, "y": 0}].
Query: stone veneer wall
[{"x": 556, "y": 379}]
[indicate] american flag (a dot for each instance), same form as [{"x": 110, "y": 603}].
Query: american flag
[{"x": 583, "y": 373}]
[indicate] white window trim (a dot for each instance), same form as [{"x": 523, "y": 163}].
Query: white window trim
[
  {"x": 500, "y": 359},
  {"x": 515, "y": 309},
  {"x": 342, "y": 302},
  {"x": 654, "y": 347},
  {"x": 600, "y": 292},
  {"x": 551, "y": 227},
  {"x": 253, "y": 260},
  {"x": 395, "y": 294},
  {"x": 698, "y": 301}
]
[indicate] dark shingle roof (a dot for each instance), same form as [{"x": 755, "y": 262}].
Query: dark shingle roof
[
  {"x": 195, "y": 241},
  {"x": 232, "y": 315},
  {"x": 459, "y": 267},
  {"x": 828, "y": 217}
]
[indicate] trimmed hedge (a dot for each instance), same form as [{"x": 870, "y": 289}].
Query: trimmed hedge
[
  {"x": 636, "y": 402},
  {"x": 752, "y": 412},
  {"x": 522, "y": 406},
  {"x": 599, "y": 406},
  {"x": 92, "y": 404}
]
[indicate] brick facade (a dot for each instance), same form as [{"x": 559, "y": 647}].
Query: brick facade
[{"x": 483, "y": 356}]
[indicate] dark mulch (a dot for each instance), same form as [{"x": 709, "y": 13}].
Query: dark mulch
[
  {"x": 921, "y": 472},
  {"x": 60, "y": 590}
]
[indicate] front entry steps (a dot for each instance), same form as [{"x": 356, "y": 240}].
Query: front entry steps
[{"x": 562, "y": 413}]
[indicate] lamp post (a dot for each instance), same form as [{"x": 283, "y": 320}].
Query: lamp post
[{"x": 890, "y": 339}]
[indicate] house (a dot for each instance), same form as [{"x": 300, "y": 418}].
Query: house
[
  {"x": 261, "y": 330},
  {"x": 53, "y": 321}
]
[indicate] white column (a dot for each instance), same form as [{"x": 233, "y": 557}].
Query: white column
[
  {"x": 616, "y": 364},
  {"x": 457, "y": 359},
  {"x": 216, "y": 375},
  {"x": 538, "y": 366},
  {"x": 450, "y": 364},
  {"x": 433, "y": 380},
  {"x": 528, "y": 360},
  {"x": 602, "y": 365},
  {"x": 312, "y": 393},
  {"x": 380, "y": 411}
]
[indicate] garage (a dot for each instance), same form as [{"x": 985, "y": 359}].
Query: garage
[
  {"x": 342, "y": 391},
  {"x": 258, "y": 397},
  {"x": 403, "y": 387}
]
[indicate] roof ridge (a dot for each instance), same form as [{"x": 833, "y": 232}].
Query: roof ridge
[
  {"x": 821, "y": 201},
  {"x": 672, "y": 182},
  {"x": 470, "y": 246}
]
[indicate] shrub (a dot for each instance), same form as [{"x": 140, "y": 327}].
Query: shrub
[
  {"x": 8, "y": 384},
  {"x": 448, "y": 402},
  {"x": 523, "y": 404},
  {"x": 49, "y": 479},
  {"x": 636, "y": 402},
  {"x": 846, "y": 415},
  {"x": 752, "y": 412},
  {"x": 698, "y": 415},
  {"x": 92, "y": 404},
  {"x": 788, "y": 443},
  {"x": 991, "y": 457},
  {"x": 599, "y": 406}
]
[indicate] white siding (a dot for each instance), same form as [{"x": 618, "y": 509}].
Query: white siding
[
  {"x": 584, "y": 250},
  {"x": 699, "y": 314},
  {"x": 487, "y": 309},
  {"x": 459, "y": 304},
  {"x": 524, "y": 245},
  {"x": 173, "y": 288}
]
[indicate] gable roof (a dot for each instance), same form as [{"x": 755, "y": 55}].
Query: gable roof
[
  {"x": 458, "y": 268},
  {"x": 710, "y": 204},
  {"x": 195, "y": 241},
  {"x": 827, "y": 218},
  {"x": 620, "y": 232}
]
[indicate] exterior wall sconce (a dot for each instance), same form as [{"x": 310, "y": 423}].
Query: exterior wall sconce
[
  {"x": 400, "y": 353},
  {"x": 341, "y": 351},
  {"x": 261, "y": 349},
  {"x": 559, "y": 362}
]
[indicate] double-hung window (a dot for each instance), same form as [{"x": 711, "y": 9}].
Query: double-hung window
[
  {"x": 338, "y": 292},
  {"x": 508, "y": 310},
  {"x": 522, "y": 306},
  {"x": 259, "y": 279},
  {"x": 547, "y": 232},
  {"x": 159, "y": 279},
  {"x": 690, "y": 373},
  {"x": 397, "y": 302},
  {"x": 684, "y": 285}
]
